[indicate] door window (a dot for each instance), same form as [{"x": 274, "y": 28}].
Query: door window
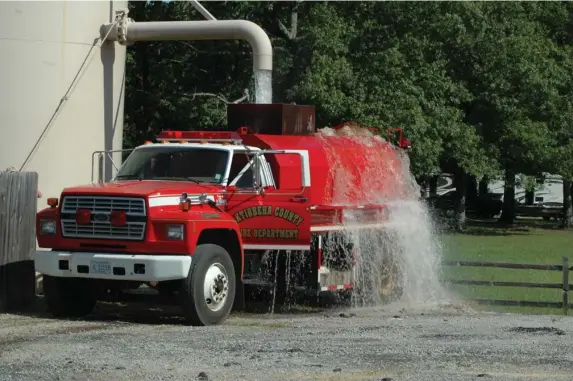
[{"x": 242, "y": 175}]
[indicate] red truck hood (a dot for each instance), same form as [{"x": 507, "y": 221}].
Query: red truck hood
[{"x": 143, "y": 188}]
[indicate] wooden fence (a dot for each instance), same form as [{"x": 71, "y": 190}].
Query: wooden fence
[
  {"x": 564, "y": 268},
  {"x": 18, "y": 202}
]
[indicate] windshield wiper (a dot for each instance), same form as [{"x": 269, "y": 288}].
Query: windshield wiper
[
  {"x": 203, "y": 182},
  {"x": 176, "y": 178},
  {"x": 127, "y": 177}
]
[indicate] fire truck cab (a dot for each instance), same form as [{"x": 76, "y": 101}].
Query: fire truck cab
[{"x": 203, "y": 217}]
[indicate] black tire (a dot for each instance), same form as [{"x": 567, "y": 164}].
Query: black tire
[
  {"x": 392, "y": 288},
  {"x": 383, "y": 280},
  {"x": 388, "y": 286},
  {"x": 69, "y": 297},
  {"x": 195, "y": 307}
]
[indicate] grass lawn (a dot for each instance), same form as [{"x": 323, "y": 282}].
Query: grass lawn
[{"x": 530, "y": 241}]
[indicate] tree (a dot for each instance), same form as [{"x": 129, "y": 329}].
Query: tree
[
  {"x": 511, "y": 67},
  {"x": 557, "y": 19}
]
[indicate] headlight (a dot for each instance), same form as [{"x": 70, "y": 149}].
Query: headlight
[
  {"x": 47, "y": 227},
  {"x": 175, "y": 231}
]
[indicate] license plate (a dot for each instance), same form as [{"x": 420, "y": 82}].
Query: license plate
[{"x": 100, "y": 267}]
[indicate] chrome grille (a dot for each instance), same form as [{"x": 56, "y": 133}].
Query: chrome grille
[
  {"x": 99, "y": 205},
  {"x": 130, "y": 205},
  {"x": 131, "y": 230}
]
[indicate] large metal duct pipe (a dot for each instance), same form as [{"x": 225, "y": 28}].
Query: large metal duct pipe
[{"x": 131, "y": 31}]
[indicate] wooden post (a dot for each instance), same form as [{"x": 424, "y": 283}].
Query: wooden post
[
  {"x": 18, "y": 200},
  {"x": 565, "y": 285}
]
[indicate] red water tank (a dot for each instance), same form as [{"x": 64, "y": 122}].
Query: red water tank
[{"x": 345, "y": 169}]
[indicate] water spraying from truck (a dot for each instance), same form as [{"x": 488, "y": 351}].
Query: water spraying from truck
[{"x": 405, "y": 248}]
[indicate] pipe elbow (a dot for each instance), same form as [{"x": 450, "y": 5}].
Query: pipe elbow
[
  {"x": 257, "y": 38},
  {"x": 200, "y": 30}
]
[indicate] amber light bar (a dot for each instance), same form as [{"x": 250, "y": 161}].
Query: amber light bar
[{"x": 200, "y": 136}]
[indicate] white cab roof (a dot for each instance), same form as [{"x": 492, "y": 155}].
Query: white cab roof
[{"x": 226, "y": 147}]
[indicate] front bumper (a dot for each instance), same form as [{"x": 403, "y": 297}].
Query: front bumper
[{"x": 144, "y": 268}]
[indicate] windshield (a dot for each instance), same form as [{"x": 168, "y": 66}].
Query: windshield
[{"x": 201, "y": 165}]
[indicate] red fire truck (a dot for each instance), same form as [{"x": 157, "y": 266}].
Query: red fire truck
[{"x": 206, "y": 215}]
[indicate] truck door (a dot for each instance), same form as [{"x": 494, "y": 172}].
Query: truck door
[{"x": 269, "y": 218}]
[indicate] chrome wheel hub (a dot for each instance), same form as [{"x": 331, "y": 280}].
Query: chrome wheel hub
[{"x": 216, "y": 287}]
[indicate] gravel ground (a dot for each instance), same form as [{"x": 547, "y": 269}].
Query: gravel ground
[{"x": 446, "y": 343}]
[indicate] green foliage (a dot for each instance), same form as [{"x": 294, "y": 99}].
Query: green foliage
[{"x": 529, "y": 183}]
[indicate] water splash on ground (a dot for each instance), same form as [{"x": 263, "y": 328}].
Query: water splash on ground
[{"x": 406, "y": 240}]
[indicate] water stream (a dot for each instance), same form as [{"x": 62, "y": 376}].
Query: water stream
[{"x": 263, "y": 86}]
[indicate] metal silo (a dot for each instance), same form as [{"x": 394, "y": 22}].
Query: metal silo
[{"x": 43, "y": 46}]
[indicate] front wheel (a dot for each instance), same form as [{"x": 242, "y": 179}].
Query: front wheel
[{"x": 209, "y": 290}]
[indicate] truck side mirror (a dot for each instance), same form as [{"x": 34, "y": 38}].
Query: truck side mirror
[{"x": 257, "y": 181}]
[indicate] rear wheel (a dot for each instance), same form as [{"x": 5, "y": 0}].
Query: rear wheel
[
  {"x": 68, "y": 297},
  {"x": 390, "y": 279},
  {"x": 209, "y": 291},
  {"x": 380, "y": 277}
]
